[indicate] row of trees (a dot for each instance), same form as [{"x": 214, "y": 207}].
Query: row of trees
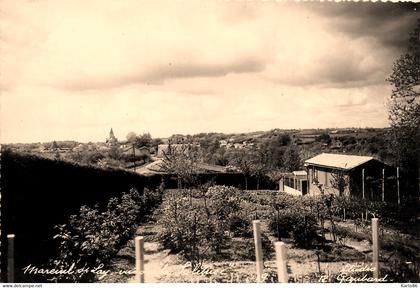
[
  {"x": 143, "y": 140},
  {"x": 266, "y": 161},
  {"x": 259, "y": 162}
]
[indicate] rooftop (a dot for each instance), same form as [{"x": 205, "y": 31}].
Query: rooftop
[
  {"x": 339, "y": 161},
  {"x": 299, "y": 173}
]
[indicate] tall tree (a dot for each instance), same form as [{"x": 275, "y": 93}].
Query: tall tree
[
  {"x": 144, "y": 140},
  {"x": 260, "y": 164},
  {"x": 131, "y": 137},
  {"x": 181, "y": 160},
  {"x": 291, "y": 159},
  {"x": 404, "y": 107},
  {"x": 242, "y": 159}
]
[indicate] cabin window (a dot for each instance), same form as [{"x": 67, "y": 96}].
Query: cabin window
[{"x": 314, "y": 174}]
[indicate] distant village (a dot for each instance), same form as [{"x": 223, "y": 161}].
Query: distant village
[
  {"x": 327, "y": 154},
  {"x": 333, "y": 138}
]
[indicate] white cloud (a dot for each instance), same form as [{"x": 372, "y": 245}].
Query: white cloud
[{"x": 79, "y": 67}]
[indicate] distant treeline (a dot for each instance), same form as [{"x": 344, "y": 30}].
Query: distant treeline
[{"x": 39, "y": 193}]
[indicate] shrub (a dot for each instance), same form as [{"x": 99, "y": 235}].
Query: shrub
[
  {"x": 283, "y": 200},
  {"x": 186, "y": 228},
  {"x": 297, "y": 221},
  {"x": 282, "y": 222},
  {"x": 295, "y": 217},
  {"x": 240, "y": 226},
  {"x": 93, "y": 237},
  {"x": 150, "y": 199},
  {"x": 195, "y": 224},
  {"x": 305, "y": 230}
]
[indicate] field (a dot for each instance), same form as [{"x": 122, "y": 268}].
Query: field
[{"x": 340, "y": 244}]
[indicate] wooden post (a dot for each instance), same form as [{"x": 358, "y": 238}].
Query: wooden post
[
  {"x": 139, "y": 243},
  {"x": 11, "y": 258},
  {"x": 281, "y": 262},
  {"x": 375, "y": 247},
  {"x": 398, "y": 185},
  {"x": 258, "y": 249},
  {"x": 318, "y": 260},
  {"x": 383, "y": 185},
  {"x": 278, "y": 224},
  {"x": 344, "y": 212},
  {"x": 134, "y": 158},
  {"x": 363, "y": 183}
]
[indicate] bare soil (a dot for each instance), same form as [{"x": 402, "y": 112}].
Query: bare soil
[{"x": 163, "y": 267}]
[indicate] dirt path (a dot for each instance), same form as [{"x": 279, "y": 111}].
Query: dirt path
[{"x": 159, "y": 263}]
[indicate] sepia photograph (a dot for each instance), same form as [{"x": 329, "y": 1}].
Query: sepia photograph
[{"x": 204, "y": 142}]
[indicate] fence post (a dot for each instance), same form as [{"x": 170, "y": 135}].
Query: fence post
[
  {"x": 11, "y": 258},
  {"x": 383, "y": 185},
  {"x": 281, "y": 262},
  {"x": 398, "y": 185},
  {"x": 258, "y": 249},
  {"x": 278, "y": 224},
  {"x": 363, "y": 183},
  {"x": 139, "y": 243},
  {"x": 375, "y": 248}
]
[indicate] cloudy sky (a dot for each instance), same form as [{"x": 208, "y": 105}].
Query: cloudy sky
[{"x": 74, "y": 69}]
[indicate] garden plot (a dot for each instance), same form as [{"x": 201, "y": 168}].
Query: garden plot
[{"x": 206, "y": 236}]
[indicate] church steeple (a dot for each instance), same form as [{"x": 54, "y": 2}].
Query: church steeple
[{"x": 111, "y": 140}]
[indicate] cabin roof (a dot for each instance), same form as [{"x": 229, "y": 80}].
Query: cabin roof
[{"x": 337, "y": 161}]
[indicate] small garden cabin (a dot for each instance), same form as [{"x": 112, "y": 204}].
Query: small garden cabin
[{"x": 349, "y": 175}]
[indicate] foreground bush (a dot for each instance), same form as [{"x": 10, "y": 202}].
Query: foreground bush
[
  {"x": 305, "y": 230},
  {"x": 240, "y": 225},
  {"x": 283, "y": 222},
  {"x": 93, "y": 237},
  {"x": 296, "y": 218},
  {"x": 390, "y": 213}
]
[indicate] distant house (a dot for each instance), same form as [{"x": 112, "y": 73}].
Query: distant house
[
  {"x": 223, "y": 143},
  {"x": 336, "y": 144},
  {"x": 238, "y": 145},
  {"x": 79, "y": 148},
  {"x": 102, "y": 148},
  {"x": 43, "y": 149},
  {"x": 135, "y": 151},
  {"x": 361, "y": 174}
]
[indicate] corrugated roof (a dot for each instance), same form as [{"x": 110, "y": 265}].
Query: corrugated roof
[{"x": 340, "y": 161}]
